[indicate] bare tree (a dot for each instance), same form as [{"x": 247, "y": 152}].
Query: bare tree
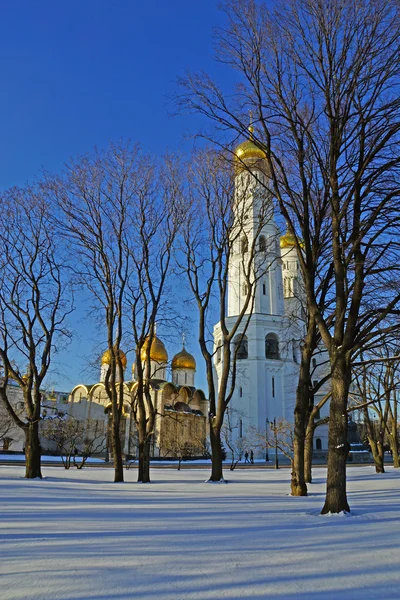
[
  {"x": 97, "y": 196},
  {"x": 236, "y": 444},
  {"x": 34, "y": 305},
  {"x": 322, "y": 81},
  {"x": 180, "y": 442},
  {"x": 156, "y": 219},
  {"x": 75, "y": 441},
  {"x": 282, "y": 439},
  {"x": 219, "y": 226},
  {"x": 375, "y": 394}
]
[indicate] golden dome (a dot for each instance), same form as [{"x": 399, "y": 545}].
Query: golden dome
[
  {"x": 287, "y": 240},
  {"x": 183, "y": 360},
  {"x": 106, "y": 358},
  {"x": 249, "y": 150},
  {"x": 158, "y": 352}
]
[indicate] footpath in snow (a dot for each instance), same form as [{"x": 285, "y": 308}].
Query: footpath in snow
[{"x": 75, "y": 535}]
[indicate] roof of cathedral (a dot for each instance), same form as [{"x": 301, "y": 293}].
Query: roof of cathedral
[
  {"x": 158, "y": 351},
  {"x": 184, "y": 360},
  {"x": 106, "y": 358}
]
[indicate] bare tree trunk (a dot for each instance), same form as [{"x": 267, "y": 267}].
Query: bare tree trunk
[
  {"x": 117, "y": 451},
  {"x": 393, "y": 438},
  {"x": 144, "y": 460},
  {"x": 308, "y": 453},
  {"x": 216, "y": 454},
  {"x": 32, "y": 451},
  {"x": 377, "y": 455},
  {"x": 298, "y": 482},
  {"x": 336, "y": 498}
]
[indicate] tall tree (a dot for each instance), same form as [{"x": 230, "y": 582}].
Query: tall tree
[
  {"x": 322, "y": 80},
  {"x": 34, "y": 305},
  {"x": 222, "y": 224},
  {"x": 95, "y": 196},
  {"x": 121, "y": 216},
  {"x": 156, "y": 219}
]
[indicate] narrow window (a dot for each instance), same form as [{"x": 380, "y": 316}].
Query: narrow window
[
  {"x": 318, "y": 444},
  {"x": 241, "y": 428},
  {"x": 219, "y": 351},
  {"x": 264, "y": 289},
  {"x": 262, "y": 244},
  {"x": 273, "y": 387},
  {"x": 241, "y": 392},
  {"x": 185, "y": 377},
  {"x": 294, "y": 351},
  {"x": 245, "y": 245},
  {"x": 314, "y": 363}
]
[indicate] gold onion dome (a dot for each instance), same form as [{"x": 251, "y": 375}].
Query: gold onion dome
[
  {"x": 183, "y": 360},
  {"x": 287, "y": 240},
  {"x": 106, "y": 358},
  {"x": 158, "y": 352},
  {"x": 249, "y": 150}
]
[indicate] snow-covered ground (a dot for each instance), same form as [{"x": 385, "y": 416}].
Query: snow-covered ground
[{"x": 76, "y": 535}]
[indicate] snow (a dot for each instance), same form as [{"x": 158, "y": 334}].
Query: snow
[
  {"x": 75, "y": 535},
  {"x": 50, "y": 458}
]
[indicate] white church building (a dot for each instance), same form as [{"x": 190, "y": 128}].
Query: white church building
[{"x": 269, "y": 355}]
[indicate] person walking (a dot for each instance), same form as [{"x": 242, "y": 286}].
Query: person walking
[
  {"x": 252, "y": 457},
  {"x": 246, "y": 457}
]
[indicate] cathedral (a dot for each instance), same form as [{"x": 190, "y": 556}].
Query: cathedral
[{"x": 181, "y": 408}]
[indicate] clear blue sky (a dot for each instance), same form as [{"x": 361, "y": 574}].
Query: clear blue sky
[{"x": 78, "y": 73}]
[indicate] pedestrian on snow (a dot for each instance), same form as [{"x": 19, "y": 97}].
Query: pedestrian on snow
[
  {"x": 251, "y": 457},
  {"x": 246, "y": 457}
]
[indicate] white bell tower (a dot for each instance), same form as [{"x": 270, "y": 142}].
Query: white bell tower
[{"x": 266, "y": 365}]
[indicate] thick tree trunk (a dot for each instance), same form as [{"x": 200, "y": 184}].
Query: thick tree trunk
[
  {"x": 393, "y": 443},
  {"x": 395, "y": 452},
  {"x": 336, "y": 498},
  {"x": 377, "y": 455},
  {"x": 298, "y": 483},
  {"x": 144, "y": 460},
  {"x": 117, "y": 451},
  {"x": 308, "y": 453},
  {"x": 216, "y": 455},
  {"x": 32, "y": 451}
]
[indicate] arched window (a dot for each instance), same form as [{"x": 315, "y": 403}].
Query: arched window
[
  {"x": 318, "y": 444},
  {"x": 262, "y": 243},
  {"x": 241, "y": 346},
  {"x": 314, "y": 363},
  {"x": 244, "y": 245},
  {"x": 272, "y": 346}
]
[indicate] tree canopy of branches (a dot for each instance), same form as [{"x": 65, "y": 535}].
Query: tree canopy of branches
[
  {"x": 34, "y": 304},
  {"x": 322, "y": 80},
  {"x": 75, "y": 441},
  {"x": 375, "y": 395},
  {"x": 120, "y": 215},
  {"x": 220, "y": 226}
]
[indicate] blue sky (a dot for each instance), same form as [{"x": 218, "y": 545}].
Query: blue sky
[{"x": 79, "y": 73}]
